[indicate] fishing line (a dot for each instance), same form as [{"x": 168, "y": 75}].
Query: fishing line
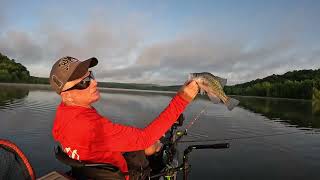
[
  {"x": 240, "y": 138},
  {"x": 197, "y": 117}
]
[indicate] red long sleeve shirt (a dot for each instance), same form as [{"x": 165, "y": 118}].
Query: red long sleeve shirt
[{"x": 85, "y": 135}]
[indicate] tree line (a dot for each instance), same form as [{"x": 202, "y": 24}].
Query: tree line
[
  {"x": 13, "y": 72},
  {"x": 302, "y": 84},
  {"x": 152, "y": 87}
]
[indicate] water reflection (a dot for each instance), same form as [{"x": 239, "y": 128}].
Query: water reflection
[
  {"x": 316, "y": 108},
  {"x": 28, "y": 122},
  {"x": 316, "y": 102},
  {"x": 129, "y": 108},
  {"x": 9, "y": 95},
  {"x": 299, "y": 113}
]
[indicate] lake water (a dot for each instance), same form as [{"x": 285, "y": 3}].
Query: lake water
[{"x": 269, "y": 138}]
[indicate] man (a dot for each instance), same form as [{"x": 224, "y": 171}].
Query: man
[{"x": 86, "y": 135}]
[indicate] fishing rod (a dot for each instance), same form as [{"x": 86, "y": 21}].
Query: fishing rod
[
  {"x": 240, "y": 138},
  {"x": 179, "y": 134},
  {"x": 168, "y": 156},
  {"x": 197, "y": 117},
  {"x": 170, "y": 148},
  {"x": 184, "y": 132}
]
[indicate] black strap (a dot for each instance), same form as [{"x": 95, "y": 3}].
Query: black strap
[{"x": 65, "y": 159}]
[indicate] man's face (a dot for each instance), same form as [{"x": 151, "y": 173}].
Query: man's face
[{"x": 82, "y": 97}]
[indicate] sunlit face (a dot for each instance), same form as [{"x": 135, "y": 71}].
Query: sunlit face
[{"x": 81, "y": 97}]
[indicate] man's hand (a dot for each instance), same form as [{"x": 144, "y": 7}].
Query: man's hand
[
  {"x": 156, "y": 147},
  {"x": 189, "y": 90}
]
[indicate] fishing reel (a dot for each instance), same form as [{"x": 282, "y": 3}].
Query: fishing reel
[{"x": 166, "y": 157}]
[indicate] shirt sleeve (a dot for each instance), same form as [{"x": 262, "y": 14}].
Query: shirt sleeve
[{"x": 109, "y": 136}]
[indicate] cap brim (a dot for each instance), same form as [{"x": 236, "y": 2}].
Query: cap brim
[
  {"x": 82, "y": 68},
  {"x": 92, "y": 61}
]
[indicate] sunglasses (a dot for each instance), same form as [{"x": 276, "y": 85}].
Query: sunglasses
[{"x": 84, "y": 83}]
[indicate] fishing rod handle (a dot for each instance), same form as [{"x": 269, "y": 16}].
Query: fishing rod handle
[
  {"x": 205, "y": 146},
  {"x": 210, "y": 146}
]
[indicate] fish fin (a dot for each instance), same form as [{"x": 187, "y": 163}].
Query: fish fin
[
  {"x": 214, "y": 98},
  {"x": 190, "y": 77},
  {"x": 222, "y": 81},
  {"x": 231, "y": 103}
]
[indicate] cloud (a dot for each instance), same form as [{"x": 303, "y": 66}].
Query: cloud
[
  {"x": 170, "y": 62},
  {"x": 126, "y": 55},
  {"x": 159, "y": 63},
  {"x": 20, "y": 45},
  {"x": 111, "y": 43},
  {"x": 95, "y": 37},
  {"x": 239, "y": 57}
]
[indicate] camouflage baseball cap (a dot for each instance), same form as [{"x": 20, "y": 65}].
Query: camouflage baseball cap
[{"x": 68, "y": 69}]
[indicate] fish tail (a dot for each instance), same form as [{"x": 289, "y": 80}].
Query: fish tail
[{"x": 231, "y": 103}]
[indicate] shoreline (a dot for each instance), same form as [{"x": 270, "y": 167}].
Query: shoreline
[
  {"x": 275, "y": 98},
  {"x": 115, "y": 90},
  {"x": 102, "y": 89}
]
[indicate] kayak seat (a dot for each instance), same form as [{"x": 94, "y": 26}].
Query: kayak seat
[{"x": 82, "y": 170}]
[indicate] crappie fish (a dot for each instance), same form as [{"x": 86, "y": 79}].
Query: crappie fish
[{"x": 213, "y": 86}]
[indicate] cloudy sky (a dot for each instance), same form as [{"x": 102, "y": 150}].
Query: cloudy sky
[{"x": 162, "y": 41}]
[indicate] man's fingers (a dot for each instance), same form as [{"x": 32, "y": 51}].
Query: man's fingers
[{"x": 193, "y": 85}]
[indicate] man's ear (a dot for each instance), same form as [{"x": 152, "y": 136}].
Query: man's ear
[{"x": 66, "y": 96}]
